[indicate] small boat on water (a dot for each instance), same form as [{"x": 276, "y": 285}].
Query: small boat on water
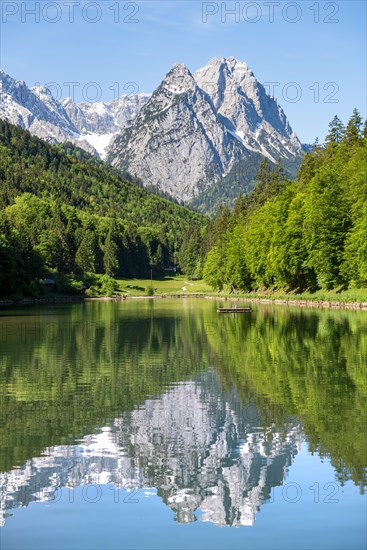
[{"x": 234, "y": 310}]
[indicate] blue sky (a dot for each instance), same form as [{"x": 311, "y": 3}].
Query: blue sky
[{"x": 313, "y": 53}]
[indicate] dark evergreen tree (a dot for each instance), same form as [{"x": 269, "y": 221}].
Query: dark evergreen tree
[
  {"x": 336, "y": 131},
  {"x": 110, "y": 256},
  {"x": 86, "y": 254},
  {"x": 63, "y": 202},
  {"x": 353, "y": 130}
]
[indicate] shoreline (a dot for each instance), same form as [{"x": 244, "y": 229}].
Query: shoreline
[{"x": 320, "y": 304}]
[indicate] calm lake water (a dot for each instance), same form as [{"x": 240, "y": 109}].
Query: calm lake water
[{"x": 161, "y": 424}]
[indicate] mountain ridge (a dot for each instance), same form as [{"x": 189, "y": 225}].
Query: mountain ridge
[
  {"x": 86, "y": 125},
  {"x": 187, "y": 136}
]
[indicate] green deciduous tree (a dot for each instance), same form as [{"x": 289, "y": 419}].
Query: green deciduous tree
[
  {"x": 214, "y": 269},
  {"x": 354, "y": 267},
  {"x": 307, "y": 234}
]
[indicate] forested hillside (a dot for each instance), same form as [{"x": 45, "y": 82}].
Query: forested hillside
[
  {"x": 240, "y": 180},
  {"x": 296, "y": 235},
  {"x": 63, "y": 211}
]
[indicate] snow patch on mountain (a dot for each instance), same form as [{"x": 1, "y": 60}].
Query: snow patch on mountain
[{"x": 99, "y": 142}]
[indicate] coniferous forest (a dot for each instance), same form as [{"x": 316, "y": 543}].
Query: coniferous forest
[{"x": 63, "y": 212}]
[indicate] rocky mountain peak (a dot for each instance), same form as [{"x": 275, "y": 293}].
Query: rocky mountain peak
[
  {"x": 178, "y": 80},
  {"x": 227, "y": 72},
  {"x": 12, "y": 87},
  {"x": 42, "y": 91},
  {"x": 176, "y": 142},
  {"x": 253, "y": 115},
  {"x": 196, "y": 127},
  {"x": 234, "y": 66}
]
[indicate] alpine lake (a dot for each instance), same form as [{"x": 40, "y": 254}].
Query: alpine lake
[{"x": 162, "y": 424}]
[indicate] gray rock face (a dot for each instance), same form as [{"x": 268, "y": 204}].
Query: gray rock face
[
  {"x": 255, "y": 117},
  {"x": 34, "y": 109},
  {"x": 176, "y": 142},
  {"x": 104, "y": 118},
  {"x": 196, "y": 127}
]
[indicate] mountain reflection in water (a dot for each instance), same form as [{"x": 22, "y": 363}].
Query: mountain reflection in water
[
  {"x": 197, "y": 445},
  {"x": 207, "y": 410}
]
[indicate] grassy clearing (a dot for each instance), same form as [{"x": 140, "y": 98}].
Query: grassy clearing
[
  {"x": 183, "y": 286},
  {"x": 352, "y": 295},
  {"x": 168, "y": 285}
]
